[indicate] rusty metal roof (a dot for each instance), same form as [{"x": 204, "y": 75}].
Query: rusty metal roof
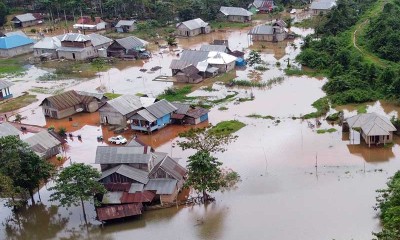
[
  {"x": 117, "y": 186},
  {"x": 197, "y": 112},
  {"x": 138, "y": 197},
  {"x": 64, "y": 100},
  {"x": 119, "y": 211}
]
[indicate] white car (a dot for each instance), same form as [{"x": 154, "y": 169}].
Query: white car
[{"x": 118, "y": 140}]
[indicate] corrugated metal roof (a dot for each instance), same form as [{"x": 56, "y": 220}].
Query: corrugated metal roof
[
  {"x": 181, "y": 107},
  {"x": 202, "y": 66},
  {"x": 6, "y": 129},
  {"x": 98, "y": 96},
  {"x": 19, "y": 32},
  {"x": 48, "y": 43},
  {"x": 217, "y": 48},
  {"x": 173, "y": 168},
  {"x": 194, "y": 24},
  {"x": 220, "y": 58},
  {"x": 14, "y": 41},
  {"x": 263, "y": 4},
  {"x": 75, "y": 37},
  {"x": 124, "y": 187},
  {"x": 44, "y": 139},
  {"x": 144, "y": 115},
  {"x": 98, "y": 39},
  {"x": 178, "y": 64},
  {"x": 136, "y": 187},
  {"x": 64, "y": 100},
  {"x": 137, "y": 197},
  {"x": 125, "y": 23},
  {"x": 158, "y": 157},
  {"x": 5, "y": 84},
  {"x": 235, "y": 11},
  {"x": 262, "y": 30},
  {"x": 161, "y": 185},
  {"x": 112, "y": 198},
  {"x": 24, "y": 17},
  {"x": 161, "y": 108},
  {"x": 70, "y": 49},
  {"x": 127, "y": 171},
  {"x": 119, "y": 211},
  {"x": 372, "y": 124},
  {"x": 197, "y": 112},
  {"x": 126, "y": 104},
  {"x": 113, "y": 155},
  {"x": 131, "y": 42},
  {"x": 323, "y": 4},
  {"x": 193, "y": 57}
]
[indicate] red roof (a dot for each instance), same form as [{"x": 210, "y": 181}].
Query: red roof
[
  {"x": 111, "y": 187},
  {"x": 88, "y": 20},
  {"x": 118, "y": 211},
  {"x": 138, "y": 197}
]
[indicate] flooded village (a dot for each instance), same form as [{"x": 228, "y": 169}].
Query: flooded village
[{"x": 117, "y": 101}]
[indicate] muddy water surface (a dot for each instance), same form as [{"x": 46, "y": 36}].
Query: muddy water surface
[{"x": 296, "y": 184}]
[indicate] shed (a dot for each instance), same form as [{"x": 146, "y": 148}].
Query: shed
[
  {"x": 46, "y": 144},
  {"x": 187, "y": 114},
  {"x": 118, "y": 211},
  {"x": 269, "y": 33},
  {"x": 24, "y": 20},
  {"x": 5, "y": 92},
  {"x": 47, "y": 45},
  {"x": 192, "y": 28},
  {"x": 261, "y": 6},
  {"x": 189, "y": 74},
  {"x": 321, "y": 6},
  {"x": 125, "y": 26},
  {"x": 128, "y": 47},
  {"x": 236, "y": 14}
]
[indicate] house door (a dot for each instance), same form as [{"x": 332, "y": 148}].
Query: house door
[
  {"x": 187, "y": 33},
  {"x": 53, "y": 114},
  {"x": 376, "y": 139},
  {"x": 73, "y": 55},
  {"x": 106, "y": 120},
  {"x": 1, "y": 94}
]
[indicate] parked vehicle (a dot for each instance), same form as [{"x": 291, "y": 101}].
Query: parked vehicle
[{"x": 117, "y": 140}]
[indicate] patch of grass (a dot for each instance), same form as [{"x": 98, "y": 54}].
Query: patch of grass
[
  {"x": 222, "y": 108},
  {"x": 209, "y": 89},
  {"x": 227, "y": 127},
  {"x": 334, "y": 116},
  {"x": 254, "y": 115},
  {"x": 388, "y": 145},
  {"x": 362, "y": 109},
  {"x": 176, "y": 94},
  {"x": 140, "y": 94},
  {"x": 112, "y": 95},
  {"x": 245, "y": 99},
  {"x": 10, "y": 67},
  {"x": 322, "y": 106},
  {"x": 223, "y": 25},
  {"x": 302, "y": 72},
  {"x": 322, "y": 131},
  {"x": 17, "y": 103},
  {"x": 227, "y": 98},
  {"x": 245, "y": 83},
  {"x": 273, "y": 81},
  {"x": 261, "y": 68}
]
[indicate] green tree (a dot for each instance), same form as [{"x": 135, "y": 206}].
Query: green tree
[
  {"x": 3, "y": 14},
  {"x": 26, "y": 169},
  {"x": 171, "y": 40},
  {"x": 254, "y": 58},
  {"x": 75, "y": 184}
]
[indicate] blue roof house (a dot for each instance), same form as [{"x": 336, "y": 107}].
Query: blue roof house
[{"x": 14, "y": 45}]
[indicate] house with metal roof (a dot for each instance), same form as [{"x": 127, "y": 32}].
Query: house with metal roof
[
  {"x": 69, "y": 103},
  {"x": 124, "y": 26},
  {"x": 374, "y": 128},
  {"x": 88, "y": 23},
  {"x": 215, "y": 48},
  {"x": 128, "y": 47},
  {"x": 321, "y": 6},
  {"x": 187, "y": 114},
  {"x": 118, "y": 110},
  {"x": 152, "y": 117},
  {"x": 275, "y": 32},
  {"x": 7, "y": 129},
  {"x": 192, "y": 28},
  {"x": 76, "y": 46},
  {"x": 46, "y": 143},
  {"x": 261, "y": 6},
  {"x": 15, "y": 44},
  {"x": 236, "y": 14},
  {"x": 47, "y": 47},
  {"x": 5, "y": 89},
  {"x": 189, "y": 74},
  {"x": 24, "y": 20}
]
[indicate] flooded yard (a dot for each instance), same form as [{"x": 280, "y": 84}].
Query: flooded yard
[{"x": 296, "y": 183}]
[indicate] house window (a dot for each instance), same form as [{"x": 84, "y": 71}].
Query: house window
[{"x": 388, "y": 137}]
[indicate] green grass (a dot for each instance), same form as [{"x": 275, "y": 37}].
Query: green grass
[
  {"x": 254, "y": 115},
  {"x": 246, "y": 83},
  {"x": 322, "y": 131},
  {"x": 225, "y": 99},
  {"x": 261, "y": 68},
  {"x": 222, "y": 108},
  {"x": 17, "y": 103},
  {"x": 112, "y": 95},
  {"x": 176, "y": 94},
  {"x": 245, "y": 99},
  {"x": 362, "y": 109},
  {"x": 223, "y": 25},
  {"x": 334, "y": 116},
  {"x": 227, "y": 127},
  {"x": 322, "y": 106},
  {"x": 302, "y": 72},
  {"x": 10, "y": 67}
]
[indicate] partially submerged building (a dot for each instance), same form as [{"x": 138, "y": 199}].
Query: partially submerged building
[
  {"x": 125, "y": 26},
  {"x": 321, "y": 6},
  {"x": 236, "y": 14},
  {"x": 275, "y": 32},
  {"x": 5, "y": 92},
  {"x": 187, "y": 114},
  {"x": 261, "y": 6},
  {"x": 15, "y": 44},
  {"x": 129, "y": 47},
  {"x": 46, "y": 143},
  {"x": 68, "y": 103},
  {"x": 192, "y": 28},
  {"x": 24, "y": 20},
  {"x": 374, "y": 128}
]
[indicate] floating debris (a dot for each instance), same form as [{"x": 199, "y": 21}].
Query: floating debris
[
  {"x": 155, "y": 68},
  {"x": 143, "y": 70}
]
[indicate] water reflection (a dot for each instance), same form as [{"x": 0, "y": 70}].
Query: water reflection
[
  {"x": 209, "y": 220},
  {"x": 24, "y": 224}
]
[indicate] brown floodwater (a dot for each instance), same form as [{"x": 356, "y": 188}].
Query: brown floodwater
[{"x": 296, "y": 184}]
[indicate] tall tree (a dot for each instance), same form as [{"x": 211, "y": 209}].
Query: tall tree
[
  {"x": 75, "y": 184},
  {"x": 26, "y": 169},
  {"x": 3, "y": 13}
]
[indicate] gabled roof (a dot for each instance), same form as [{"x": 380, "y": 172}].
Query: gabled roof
[
  {"x": 24, "y": 17},
  {"x": 178, "y": 64},
  {"x": 131, "y": 42},
  {"x": 75, "y": 37},
  {"x": 98, "y": 39},
  {"x": 216, "y": 48},
  {"x": 279, "y": 22},
  {"x": 191, "y": 71},
  {"x": 6, "y": 129},
  {"x": 48, "y": 43},
  {"x": 161, "y": 108},
  {"x": 194, "y": 24},
  {"x": 182, "y": 108},
  {"x": 323, "y": 4},
  {"x": 127, "y": 171},
  {"x": 126, "y": 104},
  {"x": 262, "y": 30},
  {"x": 220, "y": 58},
  {"x": 161, "y": 185},
  {"x": 121, "y": 155},
  {"x": 5, "y": 84},
  {"x": 42, "y": 141},
  {"x": 98, "y": 96},
  {"x": 263, "y": 4},
  {"x": 371, "y": 124},
  {"x": 144, "y": 115},
  {"x": 125, "y": 23},
  {"x": 64, "y": 100},
  {"x": 171, "y": 167},
  {"x": 89, "y": 21},
  {"x": 193, "y": 57},
  {"x": 197, "y": 112},
  {"x": 19, "y": 32},
  {"x": 119, "y": 211},
  {"x": 14, "y": 41},
  {"x": 235, "y": 11}
]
